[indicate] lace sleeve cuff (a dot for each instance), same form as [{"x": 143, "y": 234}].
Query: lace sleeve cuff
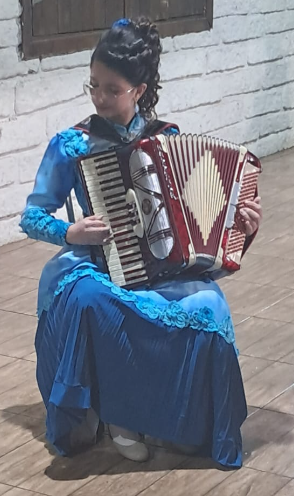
[{"x": 39, "y": 225}]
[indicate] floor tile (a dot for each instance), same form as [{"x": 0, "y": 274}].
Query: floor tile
[
  {"x": 4, "y": 360},
  {"x": 263, "y": 428},
  {"x": 255, "y": 330},
  {"x": 16, "y": 374},
  {"x": 239, "y": 318},
  {"x": 275, "y": 345},
  {"x": 12, "y": 286},
  {"x": 251, "y": 410},
  {"x": 283, "y": 403},
  {"x": 32, "y": 357},
  {"x": 193, "y": 477},
  {"x": 283, "y": 310},
  {"x": 23, "y": 397},
  {"x": 255, "y": 269},
  {"x": 29, "y": 261},
  {"x": 282, "y": 244},
  {"x": 265, "y": 386},
  {"x": 36, "y": 410},
  {"x": 251, "y": 366},
  {"x": 66, "y": 475},
  {"x": 250, "y": 299},
  {"x": 5, "y": 415},
  {"x": 14, "y": 324},
  {"x": 24, "y": 304},
  {"x": 287, "y": 490},
  {"x": 18, "y": 245},
  {"x": 247, "y": 481},
  {"x": 4, "y": 488},
  {"x": 276, "y": 457},
  {"x": 22, "y": 463},
  {"x": 20, "y": 346},
  {"x": 16, "y": 491},
  {"x": 288, "y": 358},
  {"x": 17, "y": 430},
  {"x": 287, "y": 281}
]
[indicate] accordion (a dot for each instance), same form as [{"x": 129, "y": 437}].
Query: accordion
[{"x": 172, "y": 203}]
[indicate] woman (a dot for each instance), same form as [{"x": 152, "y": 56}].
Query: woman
[{"x": 160, "y": 361}]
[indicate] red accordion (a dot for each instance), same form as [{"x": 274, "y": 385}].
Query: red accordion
[{"x": 172, "y": 203}]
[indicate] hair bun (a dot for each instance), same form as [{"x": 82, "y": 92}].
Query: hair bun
[{"x": 148, "y": 31}]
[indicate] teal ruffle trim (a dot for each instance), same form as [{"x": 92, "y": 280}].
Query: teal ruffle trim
[
  {"x": 75, "y": 144},
  {"x": 172, "y": 314},
  {"x": 38, "y": 224}
]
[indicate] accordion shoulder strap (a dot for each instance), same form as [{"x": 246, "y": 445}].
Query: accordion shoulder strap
[
  {"x": 157, "y": 127},
  {"x": 101, "y": 128}
]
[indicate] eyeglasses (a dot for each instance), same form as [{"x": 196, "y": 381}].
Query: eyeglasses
[{"x": 108, "y": 93}]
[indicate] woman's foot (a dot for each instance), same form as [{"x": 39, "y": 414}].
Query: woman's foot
[{"x": 128, "y": 444}]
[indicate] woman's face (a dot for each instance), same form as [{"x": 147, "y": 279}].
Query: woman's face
[{"x": 113, "y": 96}]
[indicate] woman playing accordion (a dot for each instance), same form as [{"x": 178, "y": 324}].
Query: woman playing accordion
[{"x": 154, "y": 359}]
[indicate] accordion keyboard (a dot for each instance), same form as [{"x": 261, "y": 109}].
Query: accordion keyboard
[{"x": 107, "y": 195}]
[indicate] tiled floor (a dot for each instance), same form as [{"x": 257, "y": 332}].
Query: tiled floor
[{"x": 262, "y": 302}]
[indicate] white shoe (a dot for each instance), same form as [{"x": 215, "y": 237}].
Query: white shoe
[{"x": 128, "y": 444}]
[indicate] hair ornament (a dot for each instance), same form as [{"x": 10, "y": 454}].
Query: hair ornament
[{"x": 121, "y": 22}]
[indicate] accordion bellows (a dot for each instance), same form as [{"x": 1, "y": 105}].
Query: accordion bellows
[{"x": 172, "y": 203}]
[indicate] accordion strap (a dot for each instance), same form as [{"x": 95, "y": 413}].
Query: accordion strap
[{"x": 101, "y": 128}]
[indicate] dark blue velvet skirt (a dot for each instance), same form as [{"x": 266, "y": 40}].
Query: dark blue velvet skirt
[{"x": 180, "y": 383}]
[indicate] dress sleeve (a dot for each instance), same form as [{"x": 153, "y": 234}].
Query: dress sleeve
[{"x": 54, "y": 181}]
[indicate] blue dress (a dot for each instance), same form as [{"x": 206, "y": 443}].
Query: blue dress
[{"x": 162, "y": 361}]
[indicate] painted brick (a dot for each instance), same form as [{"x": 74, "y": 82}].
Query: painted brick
[
  {"x": 185, "y": 94},
  {"x": 272, "y": 123},
  {"x": 9, "y": 9},
  {"x": 28, "y": 162},
  {"x": 208, "y": 117},
  {"x": 10, "y": 65},
  {"x": 8, "y": 171},
  {"x": 240, "y": 28},
  {"x": 13, "y": 197},
  {"x": 20, "y": 167},
  {"x": 226, "y": 57},
  {"x": 22, "y": 133},
  {"x": 279, "y": 72},
  {"x": 261, "y": 102},
  {"x": 278, "y": 21},
  {"x": 288, "y": 96},
  {"x": 39, "y": 93},
  {"x": 9, "y": 33},
  {"x": 7, "y": 92},
  {"x": 10, "y": 230},
  {"x": 227, "y": 7},
  {"x": 242, "y": 132},
  {"x": 268, "y": 48},
  {"x": 197, "y": 40},
  {"x": 69, "y": 61},
  {"x": 175, "y": 65},
  {"x": 63, "y": 116}
]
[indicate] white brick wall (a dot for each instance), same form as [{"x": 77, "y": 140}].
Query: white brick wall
[{"x": 236, "y": 81}]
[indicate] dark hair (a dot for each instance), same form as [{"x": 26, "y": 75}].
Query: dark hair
[{"x": 132, "y": 49}]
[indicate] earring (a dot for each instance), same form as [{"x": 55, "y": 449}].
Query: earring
[{"x": 137, "y": 108}]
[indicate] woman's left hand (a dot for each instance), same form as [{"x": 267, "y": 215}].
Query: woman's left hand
[{"x": 251, "y": 215}]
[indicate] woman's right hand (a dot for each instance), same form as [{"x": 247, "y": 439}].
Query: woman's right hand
[{"x": 89, "y": 231}]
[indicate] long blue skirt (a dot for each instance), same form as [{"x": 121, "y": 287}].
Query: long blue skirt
[{"x": 180, "y": 383}]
